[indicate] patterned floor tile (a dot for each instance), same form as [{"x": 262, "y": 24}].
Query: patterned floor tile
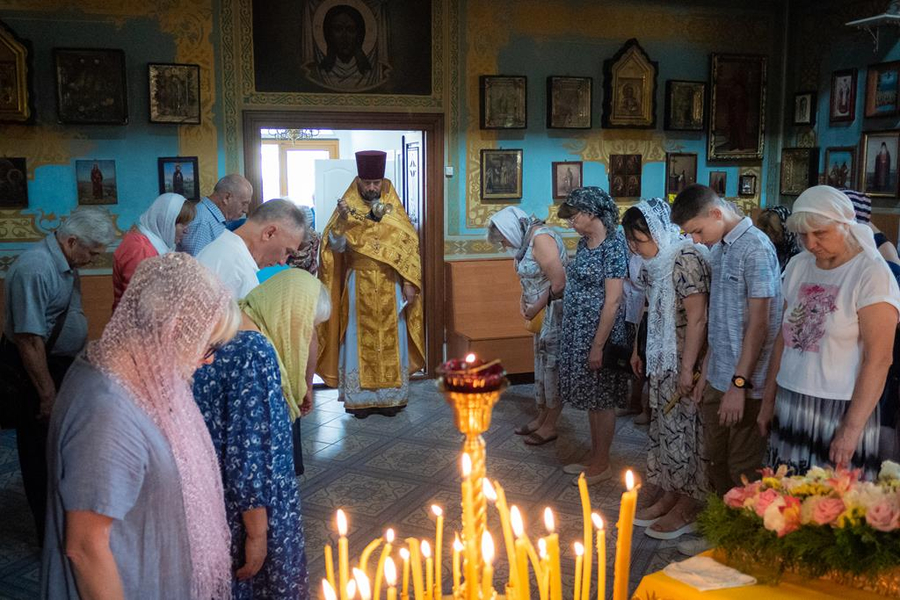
[
  {"x": 413, "y": 459},
  {"x": 360, "y": 493}
]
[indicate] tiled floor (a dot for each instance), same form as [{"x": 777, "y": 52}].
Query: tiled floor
[{"x": 388, "y": 471}]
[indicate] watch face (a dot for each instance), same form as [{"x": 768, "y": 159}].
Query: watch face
[{"x": 739, "y": 382}]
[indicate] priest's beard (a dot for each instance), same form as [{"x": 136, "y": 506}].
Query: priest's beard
[{"x": 371, "y": 196}]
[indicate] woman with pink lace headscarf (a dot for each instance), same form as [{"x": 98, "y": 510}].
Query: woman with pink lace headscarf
[{"x": 135, "y": 505}]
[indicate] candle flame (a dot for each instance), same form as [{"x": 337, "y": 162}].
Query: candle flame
[
  {"x": 389, "y": 535},
  {"x": 457, "y": 545},
  {"x": 487, "y": 547},
  {"x": 542, "y": 547},
  {"x": 598, "y": 521},
  {"x": 629, "y": 480},
  {"x": 466, "y": 464},
  {"x": 515, "y": 519},
  {"x": 579, "y": 549},
  {"x": 362, "y": 584},
  {"x": 549, "y": 521},
  {"x": 404, "y": 553},
  {"x": 426, "y": 549},
  {"x": 470, "y": 358},
  {"x": 341, "y": 522},
  {"x": 390, "y": 571},
  {"x": 328, "y": 590},
  {"x": 489, "y": 492},
  {"x": 351, "y": 588},
  {"x": 437, "y": 510}
]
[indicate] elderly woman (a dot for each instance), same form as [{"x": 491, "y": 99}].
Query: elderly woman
[
  {"x": 160, "y": 228},
  {"x": 676, "y": 278},
  {"x": 306, "y": 257},
  {"x": 135, "y": 498},
  {"x": 540, "y": 259},
  {"x": 594, "y": 323},
  {"x": 830, "y": 363},
  {"x": 773, "y": 222},
  {"x": 257, "y": 384}
]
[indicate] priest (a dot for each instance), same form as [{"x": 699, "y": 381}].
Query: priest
[{"x": 370, "y": 265}]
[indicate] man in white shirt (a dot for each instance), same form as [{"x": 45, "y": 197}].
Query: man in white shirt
[{"x": 272, "y": 231}]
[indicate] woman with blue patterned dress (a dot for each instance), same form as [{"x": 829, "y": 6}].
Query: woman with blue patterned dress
[
  {"x": 246, "y": 396},
  {"x": 593, "y": 314}
]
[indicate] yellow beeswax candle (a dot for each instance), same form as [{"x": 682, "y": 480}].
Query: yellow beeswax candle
[
  {"x": 457, "y": 549},
  {"x": 429, "y": 570},
  {"x": 601, "y": 556},
  {"x": 471, "y": 550},
  {"x": 515, "y": 519},
  {"x": 553, "y": 555},
  {"x": 362, "y": 584},
  {"x": 343, "y": 554},
  {"x": 390, "y": 575},
  {"x": 328, "y": 592},
  {"x": 495, "y": 494},
  {"x": 385, "y": 553},
  {"x": 415, "y": 559},
  {"x": 587, "y": 538},
  {"x": 623, "y": 542},
  {"x": 544, "y": 573},
  {"x": 329, "y": 566},
  {"x": 366, "y": 553},
  {"x": 487, "y": 578},
  {"x": 438, "y": 546},
  {"x": 522, "y": 585},
  {"x": 404, "y": 592},
  {"x": 579, "y": 560}
]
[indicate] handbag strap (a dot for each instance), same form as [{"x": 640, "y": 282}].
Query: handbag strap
[{"x": 61, "y": 320}]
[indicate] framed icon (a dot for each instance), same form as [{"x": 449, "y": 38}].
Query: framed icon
[
  {"x": 503, "y": 102},
  {"x": 501, "y": 175}
]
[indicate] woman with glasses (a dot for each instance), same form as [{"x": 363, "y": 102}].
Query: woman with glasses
[
  {"x": 255, "y": 386},
  {"x": 594, "y": 323}
]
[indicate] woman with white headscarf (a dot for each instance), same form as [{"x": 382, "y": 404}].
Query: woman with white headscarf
[
  {"x": 158, "y": 231},
  {"x": 830, "y": 363},
  {"x": 540, "y": 261},
  {"x": 676, "y": 279}
]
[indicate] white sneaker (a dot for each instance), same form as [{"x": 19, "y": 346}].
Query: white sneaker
[{"x": 693, "y": 546}]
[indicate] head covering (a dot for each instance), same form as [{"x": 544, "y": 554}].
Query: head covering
[
  {"x": 826, "y": 201},
  {"x": 789, "y": 246},
  {"x": 862, "y": 205},
  {"x": 662, "y": 346},
  {"x": 370, "y": 164},
  {"x": 151, "y": 346},
  {"x": 515, "y": 225},
  {"x": 596, "y": 202},
  {"x": 158, "y": 221},
  {"x": 306, "y": 257},
  {"x": 284, "y": 307}
]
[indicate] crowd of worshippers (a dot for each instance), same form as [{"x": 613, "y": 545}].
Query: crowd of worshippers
[
  {"x": 161, "y": 460},
  {"x": 760, "y": 345}
]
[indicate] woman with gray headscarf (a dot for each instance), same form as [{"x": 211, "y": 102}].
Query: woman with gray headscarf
[
  {"x": 594, "y": 314},
  {"x": 540, "y": 261}
]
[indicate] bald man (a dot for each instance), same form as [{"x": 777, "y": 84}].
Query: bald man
[{"x": 229, "y": 201}]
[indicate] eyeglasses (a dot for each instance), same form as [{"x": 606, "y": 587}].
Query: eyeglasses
[{"x": 571, "y": 220}]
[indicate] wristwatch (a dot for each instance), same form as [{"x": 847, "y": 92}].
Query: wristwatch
[{"x": 741, "y": 383}]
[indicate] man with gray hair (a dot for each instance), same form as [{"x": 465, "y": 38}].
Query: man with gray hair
[
  {"x": 44, "y": 329},
  {"x": 274, "y": 230},
  {"x": 230, "y": 199}
]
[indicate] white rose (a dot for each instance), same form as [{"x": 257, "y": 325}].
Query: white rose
[
  {"x": 773, "y": 519},
  {"x": 817, "y": 473},
  {"x": 889, "y": 470}
]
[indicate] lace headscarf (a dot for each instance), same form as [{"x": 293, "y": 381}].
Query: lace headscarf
[
  {"x": 158, "y": 222},
  {"x": 595, "y": 201},
  {"x": 662, "y": 351},
  {"x": 151, "y": 346},
  {"x": 828, "y": 202},
  {"x": 514, "y": 225}
]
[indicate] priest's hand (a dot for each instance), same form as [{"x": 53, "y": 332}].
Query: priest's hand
[
  {"x": 343, "y": 209},
  {"x": 409, "y": 292}
]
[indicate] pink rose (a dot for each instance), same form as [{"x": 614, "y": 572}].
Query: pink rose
[
  {"x": 883, "y": 515},
  {"x": 735, "y": 497},
  {"x": 827, "y": 510},
  {"x": 764, "y": 500},
  {"x": 782, "y": 515}
]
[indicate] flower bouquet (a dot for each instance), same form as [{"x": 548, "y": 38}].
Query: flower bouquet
[{"x": 826, "y": 523}]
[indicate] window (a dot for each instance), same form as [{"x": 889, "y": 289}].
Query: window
[{"x": 288, "y": 168}]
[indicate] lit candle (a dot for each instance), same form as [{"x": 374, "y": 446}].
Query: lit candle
[
  {"x": 429, "y": 570},
  {"x": 470, "y": 359},
  {"x": 579, "y": 559},
  {"x": 438, "y": 543},
  {"x": 543, "y": 575},
  {"x": 498, "y": 496},
  {"x": 588, "y": 537},
  {"x": 623, "y": 543},
  {"x": 404, "y": 592},
  {"x": 471, "y": 551},
  {"x": 362, "y": 584},
  {"x": 487, "y": 579},
  {"x": 457, "y": 549},
  {"x": 415, "y": 559},
  {"x": 329, "y": 566},
  {"x": 385, "y": 553},
  {"x": 601, "y": 556},
  {"x": 390, "y": 574},
  {"x": 522, "y": 585},
  {"x": 351, "y": 589},
  {"x": 343, "y": 554},
  {"x": 515, "y": 518},
  {"x": 328, "y": 590},
  {"x": 553, "y": 554}
]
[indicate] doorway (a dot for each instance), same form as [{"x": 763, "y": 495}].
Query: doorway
[{"x": 308, "y": 157}]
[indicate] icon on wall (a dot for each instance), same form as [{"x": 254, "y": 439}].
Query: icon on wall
[
  {"x": 90, "y": 86},
  {"x": 625, "y": 175},
  {"x": 805, "y": 108},
  {"x": 174, "y": 93},
  {"x": 842, "y": 106},
  {"x": 718, "y": 181},
  {"x": 737, "y": 107},
  {"x": 799, "y": 170},
  {"x": 883, "y": 89},
  {"x": 566, "y": 177},
  {"x": 179, "y": 175},
  {"x": 685, "y": 105},
  {"x": 681, "y": 171},
  {"x": 501, "y": 174},
  {"x": 879, "y": 163},
  {"x": 503, "y": 102},
  {"x": 629, "y": 88},
  {"x": 747, "y": 185},
  {"x": 569, "y": 102},
  {"x": 13, "y": 183},
  {"x": 840, "y": 167},
  {"x": 96, "y": 180}
]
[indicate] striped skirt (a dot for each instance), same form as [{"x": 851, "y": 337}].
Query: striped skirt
[{"x": 802, "y": 430}]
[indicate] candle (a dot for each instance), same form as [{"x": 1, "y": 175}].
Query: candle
[
  {"x": 328, "y": 590},
  {"x": 362, "y": 584},
  {"x": 351, "y": 588},
  {"x": 601, "y": 556},
  {"x": 515, "y": 518},
  {"x": 623, "y": 543},
  {"x": 404, "y": 592},
  {"x": 588, "y": 537},
  {"x": 390, "y": 574},
  {"x": 471, "y": 550},
  {"x": 415, "y": 559},
  {"x": 438, "y": 544},
  {"x": 343, "y": 555},
  {"x": 457, "y": 549},
  {"x": 385, "y": 553},
  {"x": 543, "y": 574},
  {"x": 366, "y": 553},
  {"x": 329, "y": 566},
  {"x": 579, "y": 559},
  {"x": 487, "y": 579},
  {"x": 429, "y": 570},
  {"x": 498, "y": 496},
  {"x": 553, "y": 554}
]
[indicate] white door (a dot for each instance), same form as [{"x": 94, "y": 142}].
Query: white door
[{"x": 333, "y": 177}]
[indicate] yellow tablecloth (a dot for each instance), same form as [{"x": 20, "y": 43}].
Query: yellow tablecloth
[{"x": 660, "y": 586}]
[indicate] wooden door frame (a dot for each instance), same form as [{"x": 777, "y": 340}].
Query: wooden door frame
[{"x": 432, "y": 221}]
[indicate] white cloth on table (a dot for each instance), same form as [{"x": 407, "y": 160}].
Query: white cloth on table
[{"x": 704, "y": 573}]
